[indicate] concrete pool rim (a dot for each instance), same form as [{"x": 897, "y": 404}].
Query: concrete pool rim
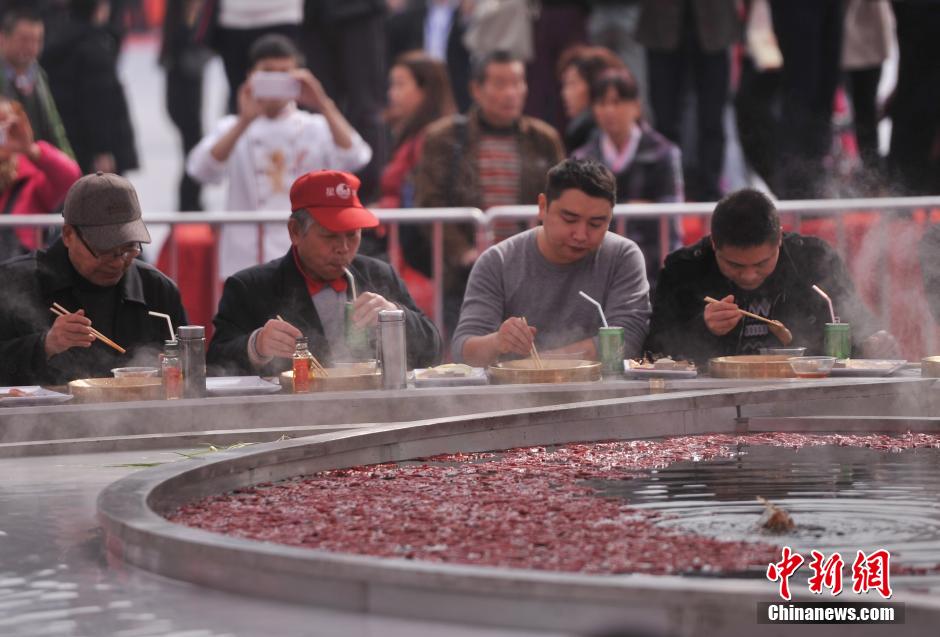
[{"x": 130, "y": 514}]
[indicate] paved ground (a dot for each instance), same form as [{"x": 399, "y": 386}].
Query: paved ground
[{"x": 55, "y": 578}]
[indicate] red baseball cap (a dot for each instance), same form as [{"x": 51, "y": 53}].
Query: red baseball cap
[{"x": 331, "y": 197}]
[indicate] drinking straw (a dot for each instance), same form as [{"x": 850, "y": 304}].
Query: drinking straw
[
  {"x": 169, "y": 323},
  {"x": 598, "y": 305},
  {"x": 352, "y": 282},
  {"x": 832, "y": 314}
]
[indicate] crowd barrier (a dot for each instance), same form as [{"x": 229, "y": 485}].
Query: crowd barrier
[{"x": 877, "y": 237}]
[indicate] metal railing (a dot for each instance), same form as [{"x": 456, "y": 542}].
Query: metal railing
[{"x": 792, "y": 213}]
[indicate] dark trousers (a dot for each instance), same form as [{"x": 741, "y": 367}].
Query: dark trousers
[
  {"x": 863, "y": 90},
  {"x": 557, "y": 28},
  {"x": 184, "y": 105},
  {"x": 349, "y": 60},
  {"x": 755, "y": 106},
  {"x": 710, "y": 77},
  {"x": 809, "y": 33},
  {"x": 233, "y": 46},
  {"x": 914, "y": 157}
]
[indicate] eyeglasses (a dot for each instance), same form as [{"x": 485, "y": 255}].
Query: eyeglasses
[{"x": 126, "y": 252}]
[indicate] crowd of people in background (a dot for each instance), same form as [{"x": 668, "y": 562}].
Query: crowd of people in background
[{"x": 444, "y": 103}]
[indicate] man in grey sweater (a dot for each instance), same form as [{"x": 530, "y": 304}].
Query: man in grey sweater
[{"x": 525, "y": 289}]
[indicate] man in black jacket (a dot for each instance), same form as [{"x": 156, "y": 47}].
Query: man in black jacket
[
  {"x": 92, "y": 271},
  {"x": 304, "y": 293},
  {"x": 748, "y": 263}
]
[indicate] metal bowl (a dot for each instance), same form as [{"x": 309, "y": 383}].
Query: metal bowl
[
  {"x": 751, "y": 366},
  {"x": 342, "y": 377},
  {"x": 554, "y": 370},
  {"x": 930, "y": 367},
  {"x": 116, "y": 390}
]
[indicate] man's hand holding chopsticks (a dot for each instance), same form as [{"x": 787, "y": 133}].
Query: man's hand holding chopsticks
[
  {"x": 277, "y": 338},
  {"x": 515, "y": 336},
  {"x": 68, "y": 331},
  {"x": 721, "y": 317}
]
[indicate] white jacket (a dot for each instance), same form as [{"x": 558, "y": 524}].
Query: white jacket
[{"x": 265, "y": 161}]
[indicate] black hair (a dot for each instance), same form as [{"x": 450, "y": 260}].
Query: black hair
[
  {"x": 482, "y": 63},
  {"x": 274, "y": 45},
  {"x": 14, "y": 16},
  {"x": 84, "y": 10},
  {"x": 745, "y": 218},
  {"x": 590, "y": 177},
  {"x": 621, "y": 80}
]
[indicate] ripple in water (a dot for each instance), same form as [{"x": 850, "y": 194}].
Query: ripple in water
[{"x": 841, "y": 498}]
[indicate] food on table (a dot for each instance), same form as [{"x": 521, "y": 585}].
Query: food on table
[
  {"x": 775, "y": 519},
  {"x": 448, "y": 370},
  {"x": 780, "y": 330},
  {"x": 15, "y": 393},
  {"x": 862, "y": 363},
  {"x": 662, "y": 364}
]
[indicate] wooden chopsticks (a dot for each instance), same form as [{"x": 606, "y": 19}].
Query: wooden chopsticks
[
  {"x": 318, "y": 368},
  {"x": 58, "y": 310},
  {"x": 533, "y": 351}
]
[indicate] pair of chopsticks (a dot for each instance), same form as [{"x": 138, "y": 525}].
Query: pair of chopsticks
[
  {"x": 533, "y": 351},
  {"x": 318, "y": 368},
  {"x": 58, "y": 310},
  {"x": 758, "y": 317}
]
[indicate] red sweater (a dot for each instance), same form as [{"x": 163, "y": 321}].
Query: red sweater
[{"x": 44, "y": 187}]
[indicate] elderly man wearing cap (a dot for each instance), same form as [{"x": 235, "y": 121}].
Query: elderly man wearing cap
[
  {"x": 264, "y": 309},
  {"x": 92, "y": 272}
]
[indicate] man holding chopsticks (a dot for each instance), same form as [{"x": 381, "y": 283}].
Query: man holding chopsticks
[
  {"x": 80, "y": 307},
  {"x": 265, "y": 308},
  {"x": 524, "y": 291},
  {"x": 749, "y": 265}
]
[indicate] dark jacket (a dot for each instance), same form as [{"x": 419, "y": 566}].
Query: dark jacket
[
  {"x": 579, "y": 130},
  {"x": 677, "y": 327},
  {"x": 33, "y": 282},
  {"x": 82, "y": 69},
  {"x": 257, "y": 294},
  {"x": 40, "y": 107},
  {"x": 716, "y": 22},
  {"x": 329, "y": 12},
  {"x": 404, "y": 31},
  {"x": 655, "y": 174}
]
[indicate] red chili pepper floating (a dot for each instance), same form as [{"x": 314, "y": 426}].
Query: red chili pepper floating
[{"x": 524, "y": 508}]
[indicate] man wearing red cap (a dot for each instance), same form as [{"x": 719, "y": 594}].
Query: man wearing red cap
[{"x": 264, "y": 309}]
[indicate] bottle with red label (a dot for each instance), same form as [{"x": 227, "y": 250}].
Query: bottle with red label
[
  {"x": 303, "y": 361},
  {"x": 172, "y": 371}
]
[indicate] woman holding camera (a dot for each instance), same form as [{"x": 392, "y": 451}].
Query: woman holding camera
[{"x": 34, "y": 177}]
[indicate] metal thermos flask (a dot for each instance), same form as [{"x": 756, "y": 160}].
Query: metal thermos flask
[
  {"x": 392, "y": 339},
  {"x": 192, "y": 340}
]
